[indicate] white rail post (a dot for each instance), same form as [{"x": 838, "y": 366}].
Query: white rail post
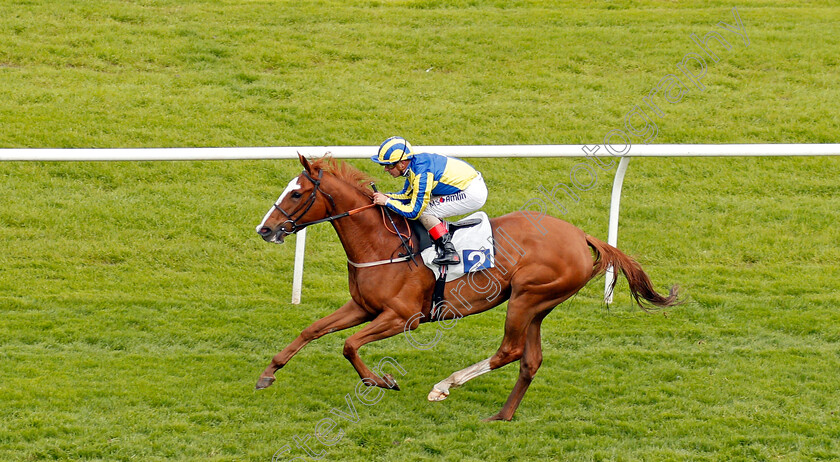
[
  {"x": 297, "y": 278},
  {"x": 612, "y": 236}
]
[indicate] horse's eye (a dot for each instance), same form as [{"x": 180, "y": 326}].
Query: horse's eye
[{"x": 296, "y": 195}]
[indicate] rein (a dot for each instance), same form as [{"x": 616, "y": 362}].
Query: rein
[
  {"x": 310, "y": 201},
  {"x": 336, "y": 217},
  {"x": 308, "y": 204},
  {"x": 404, "y": 239}
]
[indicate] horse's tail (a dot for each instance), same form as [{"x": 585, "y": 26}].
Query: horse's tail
[{"x": 640, "y": 285}]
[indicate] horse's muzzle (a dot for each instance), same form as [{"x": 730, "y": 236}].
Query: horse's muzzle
[{"x": 268, "y": 235}]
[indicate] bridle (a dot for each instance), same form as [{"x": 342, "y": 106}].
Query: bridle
[{"x": 306, "y": 205}]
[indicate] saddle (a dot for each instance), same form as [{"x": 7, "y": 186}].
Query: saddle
[
  {"x": 424, "y": 241},
  {"x": 424, "y": 245}
]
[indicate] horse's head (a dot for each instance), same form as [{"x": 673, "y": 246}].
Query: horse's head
[{"x": 302, "y": 202}]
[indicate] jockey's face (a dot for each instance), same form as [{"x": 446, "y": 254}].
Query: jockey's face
[{"x": 397, "y": 169}]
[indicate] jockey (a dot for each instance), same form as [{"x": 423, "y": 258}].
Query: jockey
[{"x": 436, "y": 187}]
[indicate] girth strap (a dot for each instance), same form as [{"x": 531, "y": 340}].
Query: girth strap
[{"x": 437, "y": 296}]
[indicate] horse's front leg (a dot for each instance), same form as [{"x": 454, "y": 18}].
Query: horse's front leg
[
  {"x": 349, "y": 315},
  {"x": 387, "y": 324}
]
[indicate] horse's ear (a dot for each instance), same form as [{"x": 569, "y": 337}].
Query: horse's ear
[{"x": 305, "y": 163}]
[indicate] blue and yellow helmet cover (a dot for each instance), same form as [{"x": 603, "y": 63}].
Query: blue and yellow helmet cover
[{"x": 392, "y": 150}]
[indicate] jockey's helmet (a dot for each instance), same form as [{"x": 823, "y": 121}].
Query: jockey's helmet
[{"x": 393, "y": 150}]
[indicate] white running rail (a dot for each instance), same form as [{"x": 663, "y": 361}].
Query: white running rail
[{"x": 359, "y": 152}]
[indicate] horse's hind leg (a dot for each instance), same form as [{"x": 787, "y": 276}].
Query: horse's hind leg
[
  {"x": 528, "y": 366},
  {"x": 441, "y": 389},
  {"x": 518, "y": 318}
]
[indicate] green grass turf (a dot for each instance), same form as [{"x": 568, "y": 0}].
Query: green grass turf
[{"x": 137, "y": 306}]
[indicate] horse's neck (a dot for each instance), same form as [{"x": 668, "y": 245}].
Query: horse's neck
[{"x": 362, "y": 235}]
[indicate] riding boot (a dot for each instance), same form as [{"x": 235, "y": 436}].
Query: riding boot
[{"x": 446, "y": 253}]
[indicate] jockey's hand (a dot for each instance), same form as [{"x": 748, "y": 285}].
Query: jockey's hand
[{"x": 379, "y": 198}]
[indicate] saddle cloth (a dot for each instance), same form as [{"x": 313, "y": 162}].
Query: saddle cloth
[{"x": 474, "y": 246}]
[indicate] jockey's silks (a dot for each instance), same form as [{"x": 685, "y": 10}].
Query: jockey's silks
[{"x": 427, "y": 175}]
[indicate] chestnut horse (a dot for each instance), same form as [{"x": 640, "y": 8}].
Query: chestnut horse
[{"x": 540, "y": 262}]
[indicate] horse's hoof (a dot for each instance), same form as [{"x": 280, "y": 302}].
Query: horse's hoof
[
  {"x": 437, "y": 395},
  {"x": 264, "y": 382},
  {"x": 391, "y": 382},
  {"x": 495, "y": 417}
]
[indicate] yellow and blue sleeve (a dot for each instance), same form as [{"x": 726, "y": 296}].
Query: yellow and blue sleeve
[
  {"x": 421, "y": 191},
  {"x": 405, "y": 194}
]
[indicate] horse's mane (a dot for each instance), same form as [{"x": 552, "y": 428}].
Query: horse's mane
[{"x": 344, "y": 172}]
